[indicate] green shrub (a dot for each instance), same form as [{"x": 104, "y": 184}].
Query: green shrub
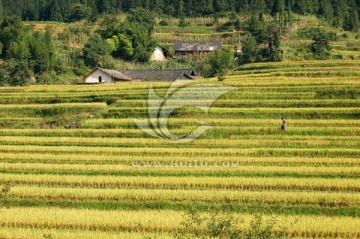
[
  {"x": 345, "y": 36},
  {"x": 163, "y": 23},
  {"x": 321, "y": 46},
  {"x": 183, "y": 23},
  {"x": 3, "y": 195},
  {"x": 337, "y": 94},
  {"x": 80, "y": 71},
  {"x": 227, "y": 27},
  {"x": 219, "y": 224}
]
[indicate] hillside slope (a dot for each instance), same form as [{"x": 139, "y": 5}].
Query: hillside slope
[{"x": 105, "y": 180}]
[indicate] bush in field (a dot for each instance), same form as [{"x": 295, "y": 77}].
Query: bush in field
[
  {"x": 19, "y": 72},
  {"x": 183, "y": 23},
  {"x": 221, "y": 61},
  {"x": 2, "y": 77},
  {"x": 121, "y": 46},
  {"x": 3, "y": 195},
  {"x": 351, "y": 21},
  {"x": 132, "y": 39},
  {"x": 142, "y": 17},
  {"x": 95, "y": 51},
  {"x": 321, "y": 46},
  {"x": 218, "y": 224},
  {"x": 79, "y": 12},
  {"x": 337, "y": 94},
  {"x": 249, "y": 49},
  {"x": 237, "y": 24},
  {"x": 163, "y": 23},
  {"x": 261, "y": 43}
]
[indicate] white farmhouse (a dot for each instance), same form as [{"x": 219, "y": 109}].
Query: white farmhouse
[{"x": 106, "y": 76}]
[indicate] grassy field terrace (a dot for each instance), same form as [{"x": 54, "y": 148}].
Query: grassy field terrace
[{"x": 106, "y": 178}]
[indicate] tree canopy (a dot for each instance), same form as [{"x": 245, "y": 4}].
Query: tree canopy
[{"x": 335, "y": 11}]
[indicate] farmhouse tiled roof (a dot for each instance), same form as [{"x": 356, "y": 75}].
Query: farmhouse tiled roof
[
  {"x": 196, "y": 46},
  {"x": 116, "y": 74},
  {"x": 160, "y": 75}
]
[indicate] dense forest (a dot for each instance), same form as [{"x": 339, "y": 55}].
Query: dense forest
[
  {"x": 335, "y": 11},
  {"x": 98, "y": 36}
]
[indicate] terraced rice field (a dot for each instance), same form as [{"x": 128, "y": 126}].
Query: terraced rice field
[{"x": 109, "y": 179}]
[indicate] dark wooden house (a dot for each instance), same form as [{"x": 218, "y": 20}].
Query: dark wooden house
[{"x": 185, "y": 48}]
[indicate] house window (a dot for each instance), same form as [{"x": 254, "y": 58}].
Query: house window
[{"x": 100, "y": 79}]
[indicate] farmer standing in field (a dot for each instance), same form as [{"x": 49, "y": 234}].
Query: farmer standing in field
[{"x": 283, "y": 125}]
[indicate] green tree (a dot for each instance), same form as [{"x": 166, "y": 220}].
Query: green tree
[
  {"x": 257, "y": 6},
  {"x": 306, "y": 6},
  {"x": 289, "y": 19},
  {"x": 95, "y": 51},
  {"x": 39, "y": 54},
  {"x": 278, "y": 8},
  {"x": 142, "y": 42},
  {"x": 351, "y": 21},
  {"x": 142, "y": 17},
  {"x": 1, "y": 9},
  {"x": 94, "y": 10},
  {"x": 133, "y": 30},
  {"x": 340, "y": 9},
  {"x": 3, "y": 78},
  {"x": 181, "y": 8},
  {"x": 182, "y": 22},
  {"x": 278, "y": 11},
  {"x": 221, "y": 61},
  {"x": 237, "y": 24},
  {"x": 104, "y": 6},
  {"x": 51, "y": 48},
  {"x": 79, "y": 12},
  {"x": 55, "y": 11},
  {"x": 11, "y": 28},
  {"x": 19, "y": 72},
  {"x": 273, "y": 51},
  {"x": 321, "y": 46},
  {"x": 42, "y": 52},
  {"x": 110, "y": 26},
  {"x": 20, "y": 48},
  {"x": 255, "y": 27},
  {"x": 220, "y": 5},
  {"x": 326, "y": 10},
  {"x": 249, "y": 49},
  {"x": 121, "y": 46}
]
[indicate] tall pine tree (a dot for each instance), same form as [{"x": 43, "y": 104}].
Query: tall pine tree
[
  {"x": 326, "y": 10},
  {"x": 1, "y": 9},
  {"x": 340, "y": 9},
  {"x": 306, "y": 6},
  {"x": 278, "y": 12}
]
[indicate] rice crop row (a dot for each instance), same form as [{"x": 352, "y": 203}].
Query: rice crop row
[
  {"x": 298, "y": 69},
  {"x": 21, "y": 233},
  {"x": 160, "y": 221},
  {"x": 228, "y": 168},
  {"x": 153, "y": 143},
  {"x": 242, "y": 103},
  {"x": 128, "y": 160},
  {"x": 301, "y": 64},
  {"x": 323, "y": 198},
  {"x": 95, "y": 123},
  {"x": 189, "y": 182},
  {"x": 191, "y": 152},
  {"x": 234, "y": 132}
]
